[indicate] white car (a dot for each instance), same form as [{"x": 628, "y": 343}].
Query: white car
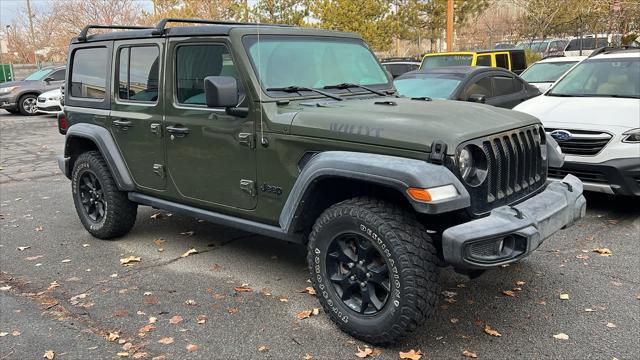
[
  {"x": 544, "y": 73},
  {"x": 593, "y": 112},
  {"x": 49, "y": 102}
]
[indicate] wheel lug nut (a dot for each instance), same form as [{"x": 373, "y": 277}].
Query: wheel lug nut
[
  {"x": 368, "y": 275},
  {"x": 350, "y": 265},
  {"x": 363, "y": 284},
  {"x": 361, "y": 262},
  {"x": 353, "y": 277}
]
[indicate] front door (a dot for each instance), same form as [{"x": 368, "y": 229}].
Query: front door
[
  {"x": 210, "y": 154},
  {"x": 136, "y": 110}
]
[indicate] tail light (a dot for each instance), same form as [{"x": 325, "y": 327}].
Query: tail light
[{"x": 62, "y": 123}]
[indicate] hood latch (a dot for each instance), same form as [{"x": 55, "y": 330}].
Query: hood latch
[{"x": 438, "y": 152}]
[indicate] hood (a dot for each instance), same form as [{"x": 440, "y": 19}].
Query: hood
[
  {"x": 404, "y": 123},
  {"x": 55, "y": 92},
  {"x": 604, "y": 111}
]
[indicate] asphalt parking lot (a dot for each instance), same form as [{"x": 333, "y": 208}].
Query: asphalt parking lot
[{"x": 238, "y": 295}]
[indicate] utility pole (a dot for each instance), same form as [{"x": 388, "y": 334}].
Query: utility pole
[
  {"x": 31, "y": 33},
  {"x": 449, "y": 25}
]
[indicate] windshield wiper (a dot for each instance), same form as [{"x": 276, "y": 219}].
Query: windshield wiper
[
  {"x": 294, "y": 88},
  {"x": 351, "y": 85}
]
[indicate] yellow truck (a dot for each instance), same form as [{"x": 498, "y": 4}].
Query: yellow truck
[{"x": 510, "y": 59}]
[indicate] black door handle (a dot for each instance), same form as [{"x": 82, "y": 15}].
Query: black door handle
[
  {"x": 177, "y": 131},
  {"x": 124, "y": 124}
]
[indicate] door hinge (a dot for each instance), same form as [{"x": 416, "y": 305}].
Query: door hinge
[
  {"x": 247, "y": 139},
  {"x": 248, "y": 186},
  {"x": 158, "y": 169}
]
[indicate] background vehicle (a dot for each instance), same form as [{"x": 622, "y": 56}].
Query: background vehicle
[
  {"x": 544, "y": 73},
  {"x": 493, "y": 86},
  {"x": 593, "y": 112},
  {"x": 399, "y": 66},
  {"x": 545, "y": 47},
  {"x": 584, "y": 46},
  {"x": 512, "y": 59},
  {"x": 296, "y": 133},
  {"x": 21, "y": 96},
  {"x": 49, "y": 102}
]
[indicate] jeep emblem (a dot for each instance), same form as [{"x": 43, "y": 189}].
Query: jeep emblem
[{"x": 561, "y": 135}]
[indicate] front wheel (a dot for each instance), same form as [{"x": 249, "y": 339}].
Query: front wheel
[
  {"x": 373, "y": 266},
  {"x": 28, "y": 105},
  {"x": 104, "y": 211}
]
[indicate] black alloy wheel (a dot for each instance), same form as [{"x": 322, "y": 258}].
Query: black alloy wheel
[
  {"x": 359, "y": 273},
  {"x": 91, "y": 196}
]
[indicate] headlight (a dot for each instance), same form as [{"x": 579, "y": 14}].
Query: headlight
[
  {"x": 7, "y": 90},
  {"x": 54, "y": 98},
  {"x": 631, "y": 136},
  {"x": 472, "y": 164}
]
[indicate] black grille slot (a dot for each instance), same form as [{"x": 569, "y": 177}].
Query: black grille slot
[
  {"x": 583, "y": 142},
  {"x": 515, "y": 168},
  {"x": 586, "y": 176}
]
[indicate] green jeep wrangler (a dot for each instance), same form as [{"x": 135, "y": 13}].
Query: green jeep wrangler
[{"x": 297, "y": 134}]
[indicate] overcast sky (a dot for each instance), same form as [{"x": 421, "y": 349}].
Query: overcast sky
[{"x": 10, "y": 9}]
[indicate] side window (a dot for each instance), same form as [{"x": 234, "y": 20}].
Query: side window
[
  {"x": 481, "y": 87},
  {"x": 138, "y": 73},
  {"x": 89, "y": 73},
  {"x": 483, "y": 60},
  {"x": 57, "y": 75},
  {"x": 502, "y": 60},
  {"x": 503, "y": 85},
  {"x": 194, "y": 63}
]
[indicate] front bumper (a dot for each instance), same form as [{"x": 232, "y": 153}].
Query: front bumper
[
  {"x": 618, "y": 176},
  {"x": 8, "y": 102},
  {"x": 511, "y": 233}
]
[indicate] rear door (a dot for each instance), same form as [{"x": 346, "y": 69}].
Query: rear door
[
  {"x": 506, "y": 93},
  {"x": 502, "y": 60},
  {"x": 54, "y": 80},
  {"x": 136, "y": 110}
]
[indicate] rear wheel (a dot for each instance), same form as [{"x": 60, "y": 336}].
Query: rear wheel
[
  {"x": 28, "y": 104},
  {"x": 373, "y": 266},
  {"x": 104, "y": 211}
]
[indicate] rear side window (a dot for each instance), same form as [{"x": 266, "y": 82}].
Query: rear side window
[
  {"x": 480, "y": 87},
  {"x": 484, "y": 60},
  {"x": 503, "y": 85},
  {"x": 57, "y": 75},
  {"x": 89, "y": 73},
  {"x": 138, "y": 73},
  {"x": 191, "y": 69},
  {"x": 502, "y": 60}
]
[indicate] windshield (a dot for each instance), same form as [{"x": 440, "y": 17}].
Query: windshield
[
  {"x": 436, "y": 86},
  {"x": 601, "y": 77},
  {"x": 38, "y": 75},
  {"x": 313, "y": 62},
  {"x": 437, "y": 61},
  {"x": 546, "y": 72}
]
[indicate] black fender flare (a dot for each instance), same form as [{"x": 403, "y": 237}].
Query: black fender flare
[
  {"x": 394, "y": 172},
  {"x": 103, "y": 140}
]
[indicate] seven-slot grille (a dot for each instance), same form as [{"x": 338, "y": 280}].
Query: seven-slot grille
[
  {"x": 515, "y": 168},
  {"x": 583, "y": 142}
]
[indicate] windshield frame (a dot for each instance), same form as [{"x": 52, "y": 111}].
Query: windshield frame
[
  {"x": 248, "y": 40},
  {"x": 550, "y": 92}
]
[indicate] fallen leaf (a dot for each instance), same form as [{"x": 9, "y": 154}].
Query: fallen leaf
[
  {"x": 411, "y": 355},
  {"x": 140, "y": 355},
  {"x": 113, "y": 336},
  {"x": 454, "y": 320},
  {"x": 121, "y": 313},
  {"x": 201, "y": 319},
  {"x": 113, "y": 275},
  {"x": 130, "y": 259},
  {"x": 31, "y": 258},
  {"x": 232, "y": 310},
  {"x": 49, "y": 355},
  {"x": 263, "y": 348},
  {"x": 564, "y": 296},
  {"x": 192, "y": 347},
  {"x": 39, "y": 228},
  {"x": 589, "y": 310},
  {"x": 157, "y": 216},
  {"x": 307, "y": 356},
  {"x": 315, "y": 311},
  {"x": 520, "y": 283},
  {"x": 175, "y": 319},
  {"x": 309, "y": 290},
  {"x": 15, "y": 333},
  {"x": 123, "y": 354},
  {"x": 66, "y": 260},
  {"x": 145, "y": 329},
  {"x": 509, "y": 293},
  {"x": 150, "y": 300},
  {"x": 561, "y": 336},
  {"x": 189, "y": 252},
  {"x": 190, "y": 302},
  {"x": 582, "y": 257},
  {"x": 188, "y": 233},
  {"x": 611, "y": 325},
  {"x": 490, "y": 331},
  {"x": 85, "y": 245},
  {"x": 159, "y": 242},
  {"x": 243, "y": 288},
  {"x": 363, "y": 353},
  {"x": 449, "y": 294},
  {"x": 127, "y": 346},
  {"x": 283, "y": 299},
  {"x": 23, "y": 248},
  {"x": 304, "y": 314},
  {"x": 5, "y": 288},
  {"x": 469, "y": 354},
  {"x": 603, "y": 251},
  {"x": 216, "y": 267},
  {"x": 152, "y": 319},
  {"x": 166, "y": 340}
]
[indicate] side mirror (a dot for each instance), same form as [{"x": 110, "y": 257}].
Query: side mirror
[
  {"x": 48, "y": 79},
  {"x": 221, "y": 91},
  {"x": 477, "y": 98}
]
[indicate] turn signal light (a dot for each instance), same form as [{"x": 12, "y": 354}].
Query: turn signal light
[{"x": 432, "y": 194}]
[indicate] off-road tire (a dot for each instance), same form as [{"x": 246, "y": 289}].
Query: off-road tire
[
  {"x": 406, "y": 246},
  {"x": 22, "y": 109},
  {"x": 119, "y": 212}
]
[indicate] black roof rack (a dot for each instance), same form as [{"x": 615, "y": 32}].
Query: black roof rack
[
  {"x": 83, "y": 34},
  {"x": 608, "y": 49},
  {"x": 159, "y": 29}
]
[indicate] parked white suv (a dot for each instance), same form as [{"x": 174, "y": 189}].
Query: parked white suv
[
  {"x": 593, "y": 112},
  {"x": 545, "y": 72}
]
